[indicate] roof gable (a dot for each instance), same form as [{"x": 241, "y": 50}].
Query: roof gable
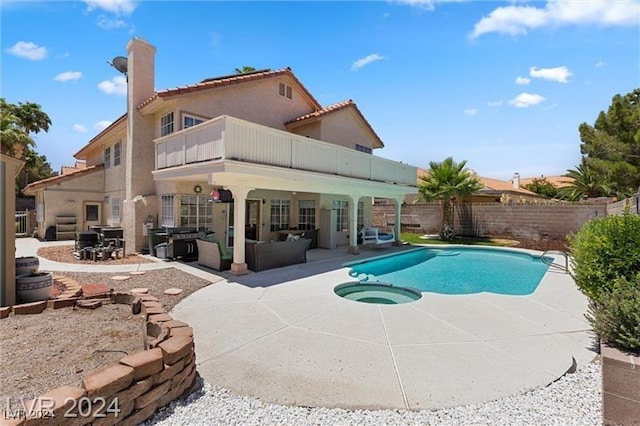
[
  {"x": 319, "y": 114},
  {"x": 44, "y": 183}
]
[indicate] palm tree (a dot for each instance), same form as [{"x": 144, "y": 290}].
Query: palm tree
[
  {"x": 586, "y": 183},
  {"x": 245, "y": 69},
  {"x": 443, "y": 181},
  {"x": 33, "y": 119},
  {"x": 18, "y": 121}
]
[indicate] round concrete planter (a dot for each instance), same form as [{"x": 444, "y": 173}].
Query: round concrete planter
[
  {"x": 26, "y": 265},
  {"x": 34, "y": 287}
]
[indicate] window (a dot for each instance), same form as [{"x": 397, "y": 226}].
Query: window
[
  {"x": 196, "y": 211},
  {"x": 115, "y": 210},
  {"x": 342, "y": 222},
  {"x": 166, "y": 210},
  {"x": 91, "y": 213},
  {"x": 363, "y": 148},
  {"x": 107, "y": 158},
  {"x": 116, "y": 154},
  {"x": 188, "y": 121},
  {"x": 306, "y": 214},
  {"x": 166, "y": 124},
  {"x": 285, "y": 90},
  {"x": 280, "y": 212},
  {"x": 360, "y": 215}
]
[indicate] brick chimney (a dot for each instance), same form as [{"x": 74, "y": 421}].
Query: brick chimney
[{"x": 516, "y": 180}]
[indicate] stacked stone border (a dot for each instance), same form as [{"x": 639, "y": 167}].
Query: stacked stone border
[{"x": 137, "y": 386}]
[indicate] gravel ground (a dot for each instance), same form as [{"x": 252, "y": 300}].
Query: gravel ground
[
  {"x": 59, "y": 347},
  {"x": 572, "y": 400}
]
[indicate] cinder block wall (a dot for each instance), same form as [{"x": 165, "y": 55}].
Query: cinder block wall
[{"x": 493, "y": 219}]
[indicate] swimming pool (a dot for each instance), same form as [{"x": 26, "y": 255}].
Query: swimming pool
[{"x": 455, "y": 270}]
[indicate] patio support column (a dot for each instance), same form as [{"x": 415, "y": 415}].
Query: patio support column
[
  {"x": 239, "y": 265},
  {"x": 397, "y": 206},
  {"x": 353, "y": 223}
]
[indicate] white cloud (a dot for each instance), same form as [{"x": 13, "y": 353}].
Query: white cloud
[
  {"x": 366, "y": 61},
  {"x": 118, "y": 7},
  {"x": 600, "y": 64},
  {"x": 79, "y": 128},
  {"x": 425, "y": 4},
  {"x": 470, "y": 112},
  {"x": 110, "y": 24},
  {"x": 28, "y": 50},
  {"x": 525, "y": 100},
  {"x": 514, "y": 19},
  {"x": 68, "y": 75},
  {"x": 559, "y": 74},
  {"x": 523, "y": 81},
  {"x": 116, "y": 86},
  {"x": 494, "y": 103},
  {"x": 102, "y": 124}
]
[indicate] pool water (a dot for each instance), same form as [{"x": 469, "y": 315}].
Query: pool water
[
  {"x": 377, "y": 293},
  {"x": 459, "y": 270}
]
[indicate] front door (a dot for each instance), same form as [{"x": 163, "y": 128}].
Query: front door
[{"x": 92, "y": 214}]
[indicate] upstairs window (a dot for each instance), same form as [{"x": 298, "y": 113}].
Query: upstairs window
[
  {"x": 116, "y": 154},
  {"x": 107, "y": 158},
  {"x": 166, "y": 124},
  {"x": 189, "y": 121},
  {"x": 363, "y": 148},
  {"x": 285, "y": 90}
]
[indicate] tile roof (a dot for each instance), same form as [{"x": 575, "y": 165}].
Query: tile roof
[
  {"x": 334, "y": 108},
  {"x": 44, "y": 183},
  {"x": 229, "y": 80},
  {"x": 557, "y": 181},
  {"x": 208, "y": 84},
  {"x": 491, "y": 184}
]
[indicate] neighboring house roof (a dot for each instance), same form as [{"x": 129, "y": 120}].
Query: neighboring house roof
[
  {"x": 227, "y": 80},
  {"x": 65, "y": 170},
  {"x": 208, "y": 83},
  {"x": 491, "y": 185},
  {"x": 557, "y": 181},
  {"x": 44, "y": 183},
  {"x": 315, "y": 115}
]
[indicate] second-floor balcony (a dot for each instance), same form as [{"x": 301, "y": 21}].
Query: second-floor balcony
[{"x": 228, "y": 138}]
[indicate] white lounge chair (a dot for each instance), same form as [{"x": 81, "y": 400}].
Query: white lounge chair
[{"x": 374, "y": 236}]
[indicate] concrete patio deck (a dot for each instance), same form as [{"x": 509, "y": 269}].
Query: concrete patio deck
[{"x": 283, "y": 336}]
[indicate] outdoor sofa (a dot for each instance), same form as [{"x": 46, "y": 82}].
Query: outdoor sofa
[{"x": 267, "y": 255}]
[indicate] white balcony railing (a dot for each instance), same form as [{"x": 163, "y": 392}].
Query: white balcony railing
[{"x": 230, "y": 138}]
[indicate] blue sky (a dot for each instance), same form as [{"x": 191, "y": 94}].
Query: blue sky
[{"x": 503, "y": 85}]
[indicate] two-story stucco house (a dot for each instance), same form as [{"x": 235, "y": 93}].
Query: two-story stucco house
[{"x": 287, "y": 161}]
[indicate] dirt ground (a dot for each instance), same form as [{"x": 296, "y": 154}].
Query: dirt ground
[{"x": 65, "y": 254}]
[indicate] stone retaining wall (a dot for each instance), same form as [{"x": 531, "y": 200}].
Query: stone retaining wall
[{"x": 130, "y": 391}]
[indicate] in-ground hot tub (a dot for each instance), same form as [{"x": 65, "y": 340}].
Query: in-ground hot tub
[{"x": 378, "y": 293}]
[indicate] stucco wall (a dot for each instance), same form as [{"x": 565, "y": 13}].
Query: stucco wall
[
  {"x": 9, "y": 168},
  {"x": 258, "y": 102},
  {"x": 344, "y": 128},
  {"x": 519, "y": 221},
  {"x": 67, "y": 199},
  {"x": 312, "y": 130}
]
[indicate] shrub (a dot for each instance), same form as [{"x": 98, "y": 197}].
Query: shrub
[
  {"x": 616, "y": 319},
  {"x": 603, "y": 250}
]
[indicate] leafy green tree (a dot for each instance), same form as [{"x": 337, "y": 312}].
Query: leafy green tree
[
  {"x": 586, "y": 182},
  {"x": 18, "y": 122},
  {"x": 542, "y": 186},
  {"x": 245, "y": 69},
  {"x": 443, "y": 181},
  {"x": 612, "y": 144}
]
